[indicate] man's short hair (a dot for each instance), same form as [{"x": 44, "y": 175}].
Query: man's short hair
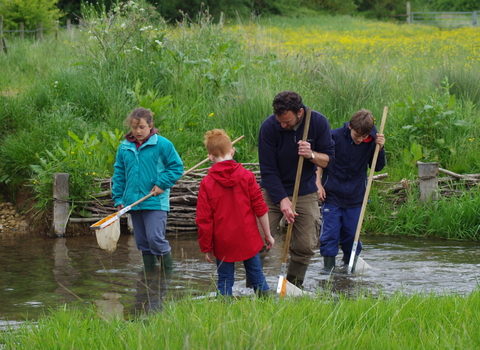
[
  {"x": 287, "y": 101},
  {"x": 362, "y": 122},
  {"x": 217, "y": 142}
]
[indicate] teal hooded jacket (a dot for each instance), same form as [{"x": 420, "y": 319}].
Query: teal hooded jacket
[{"x": 137, "y": 171}]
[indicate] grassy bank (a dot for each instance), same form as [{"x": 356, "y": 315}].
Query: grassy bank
[
  {"x": 69, "y": 106},
  {"x": 398, "y": 322}
]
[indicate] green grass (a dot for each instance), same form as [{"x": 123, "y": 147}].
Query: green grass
[{"x": 419, "y": 321}]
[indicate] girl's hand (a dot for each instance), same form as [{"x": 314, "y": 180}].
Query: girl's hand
[
  {"x": 209, "y": 257},
  {"x": 156, "y": 190},
  {"x": 119, "y": 207}
]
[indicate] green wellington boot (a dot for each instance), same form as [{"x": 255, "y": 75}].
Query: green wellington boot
[
  {"x": 265, "y": 294},
  {"x": 328, "y": 265},
  {"x": 166, "y": 262},
  {"x": 149, "y": 261}
]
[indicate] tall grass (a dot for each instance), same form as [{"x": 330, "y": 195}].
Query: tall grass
[
  {"x": 212, "y": 74},
  {"x": 448, "y": 217},
  {"x": 398, "y": 322}
]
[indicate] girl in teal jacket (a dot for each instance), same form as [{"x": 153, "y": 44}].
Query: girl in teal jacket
[{"x": 147, "y": 163}]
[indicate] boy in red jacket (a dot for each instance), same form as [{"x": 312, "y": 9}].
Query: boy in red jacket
[{"x": 229, "y": 203}]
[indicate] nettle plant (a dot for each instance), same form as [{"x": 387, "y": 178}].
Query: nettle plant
[
  {"x": 85, "y": 159},
  {"x": 122, "y": 32},
  {"x": 429, "y": 126}
]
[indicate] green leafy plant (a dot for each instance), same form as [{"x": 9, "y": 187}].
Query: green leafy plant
[
  {"x": 151, "y": 100},
  {"x": 412, "y": 155},
  {"x": 85, "y": 159},
  {"x": 430, "y": 125}
]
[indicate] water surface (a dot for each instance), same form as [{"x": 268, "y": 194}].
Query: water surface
[{"x": 39, "y": 273}]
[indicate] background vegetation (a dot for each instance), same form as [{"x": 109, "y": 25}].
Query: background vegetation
[
  {"x": 63, "y": 100},
  {"x": 31, "y": 12}
]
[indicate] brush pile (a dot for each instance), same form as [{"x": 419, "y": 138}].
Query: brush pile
[{"x": 183, "y": 201}]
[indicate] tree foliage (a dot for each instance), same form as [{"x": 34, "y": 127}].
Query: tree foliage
[
  {"x": 455, "y": 5},
  {"x": 30, "y": 12}
]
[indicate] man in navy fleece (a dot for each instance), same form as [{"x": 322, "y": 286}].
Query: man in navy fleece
[
  {"x": 279, "y": 146},
  {"x": 343, "y": 185}
]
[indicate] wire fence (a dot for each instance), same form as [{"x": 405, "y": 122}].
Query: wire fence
[
  {"x": 445, "y": 19},
  {"x": 33, "y": 34}
]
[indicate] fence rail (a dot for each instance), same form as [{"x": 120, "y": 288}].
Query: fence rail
[
  {"x": 445, "y": 19},
  {"x": 35, "y": 33}
]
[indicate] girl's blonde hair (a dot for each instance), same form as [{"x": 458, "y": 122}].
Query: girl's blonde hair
[{"x": 217, "y": 142}]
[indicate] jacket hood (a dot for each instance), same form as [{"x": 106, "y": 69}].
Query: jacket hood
[{"x": 228, "y": 173}]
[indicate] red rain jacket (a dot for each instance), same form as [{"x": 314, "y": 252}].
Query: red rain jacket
[{"x": 228, "y": 203}]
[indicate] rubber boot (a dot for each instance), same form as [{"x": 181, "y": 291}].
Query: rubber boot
[
  {"x": 166, "y": 262},
  {"x": 328, "y": 265},
  {"x": 149, "y": 261},
  {"x": 296, "y": 273},
  {"x": 265, "y": 294}
]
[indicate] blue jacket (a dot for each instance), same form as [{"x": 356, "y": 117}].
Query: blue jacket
[
  {"x": 155, "y": 162},
  {"x": 278, "y": 155},
  {"x": 346, "y": 181}
]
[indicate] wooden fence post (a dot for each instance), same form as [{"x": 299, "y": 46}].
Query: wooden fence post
[
  {"x": 408, "y": 12},
  {"x": 22, "y": 31},
  {"x": 428, "y": 176},
  {"x": 40, "y": 31},
  {"x": 1, "y": 34},
  {"x": 61, "y": 205},
  {"x": 70, "y": 28}
]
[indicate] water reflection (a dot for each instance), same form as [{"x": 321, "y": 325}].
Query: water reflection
[{"x": 38, "y": 273}]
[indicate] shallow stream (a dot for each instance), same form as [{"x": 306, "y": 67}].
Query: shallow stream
[{"x": 39, "y": 273}]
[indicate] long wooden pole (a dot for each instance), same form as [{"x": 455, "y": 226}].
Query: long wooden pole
[
  {"x": 367, "y": 192},
  {"x": 282, "y": 287}
]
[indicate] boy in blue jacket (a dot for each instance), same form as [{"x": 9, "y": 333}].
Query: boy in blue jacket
[{"x": 343, "y": 185}]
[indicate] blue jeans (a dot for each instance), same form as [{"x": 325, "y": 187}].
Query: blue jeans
[
  {"x": 339, "y": 228},
  {"x": 253, "y": 269},
  {"x": 149, "y": 228}
]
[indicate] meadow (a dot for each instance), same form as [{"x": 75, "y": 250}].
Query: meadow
[{"x": 66, "y": 98}]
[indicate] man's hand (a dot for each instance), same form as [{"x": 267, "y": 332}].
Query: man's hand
[
  {"x": 286, "y": 208},
  {"x": 304, "y": 149}
]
